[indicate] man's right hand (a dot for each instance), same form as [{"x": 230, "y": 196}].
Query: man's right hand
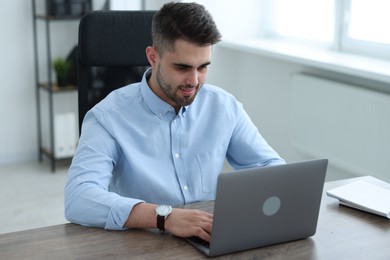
[
  {"x": 181, "y": 222},
  {"x": 190, "y": 222}
]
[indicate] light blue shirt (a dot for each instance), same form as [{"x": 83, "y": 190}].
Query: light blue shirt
[{"x": 135, "y": 148}]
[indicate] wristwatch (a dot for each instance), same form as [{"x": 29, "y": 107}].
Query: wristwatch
[{"x": 162, "y": 213}]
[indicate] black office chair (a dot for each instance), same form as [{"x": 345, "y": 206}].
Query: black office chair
[{"x": 111, "y": 52}]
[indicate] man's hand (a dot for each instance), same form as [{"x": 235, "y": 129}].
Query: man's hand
[
  {"x": 181, "y": 222},
  {"x": 190, "y": 222}
]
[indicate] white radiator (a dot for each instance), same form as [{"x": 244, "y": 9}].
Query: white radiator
[{"x": 347, "y": 124}]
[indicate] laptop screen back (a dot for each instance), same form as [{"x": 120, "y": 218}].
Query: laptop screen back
[{"x": 265, "y": 206}]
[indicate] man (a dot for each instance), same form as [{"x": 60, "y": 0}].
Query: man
[{"x": 163, "y": 140}]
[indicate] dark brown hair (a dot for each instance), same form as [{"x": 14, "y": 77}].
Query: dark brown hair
[{"x": 186, "y": 21}]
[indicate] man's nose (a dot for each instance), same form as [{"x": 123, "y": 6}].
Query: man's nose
[{"x": 192, "y": 78}]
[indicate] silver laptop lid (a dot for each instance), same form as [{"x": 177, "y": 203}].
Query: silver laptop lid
[{"x": 265, "y": 206}]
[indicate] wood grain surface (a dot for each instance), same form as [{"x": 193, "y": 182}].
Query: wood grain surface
[{"x": 342, "y": 233}]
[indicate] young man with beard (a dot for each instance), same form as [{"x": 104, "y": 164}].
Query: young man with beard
[{"x": 163, "y": 141}]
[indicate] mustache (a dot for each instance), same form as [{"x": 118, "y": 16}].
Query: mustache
[{"x": 189, "y": 86}]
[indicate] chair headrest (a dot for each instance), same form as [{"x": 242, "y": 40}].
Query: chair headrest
[{"x": 115, "y": 38}]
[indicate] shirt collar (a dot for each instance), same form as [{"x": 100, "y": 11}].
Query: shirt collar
[{"x": 159, "y": 107}]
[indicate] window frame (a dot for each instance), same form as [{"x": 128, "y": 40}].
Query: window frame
[
  {"x": 355, "y": 46},
  {"x": 341, "y": 41}
]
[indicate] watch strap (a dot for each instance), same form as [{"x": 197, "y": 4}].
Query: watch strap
[{"x": 161, "y": 222}]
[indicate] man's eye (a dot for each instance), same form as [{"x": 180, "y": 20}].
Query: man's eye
[{"x": 181, "y": 68}]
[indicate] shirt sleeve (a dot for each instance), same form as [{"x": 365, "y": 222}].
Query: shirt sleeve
[
  {"x": 247, "y": 147},
  {"x": 88, "y": 200}
]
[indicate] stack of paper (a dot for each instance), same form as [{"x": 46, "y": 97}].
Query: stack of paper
[{"x": 369, "y": 194}]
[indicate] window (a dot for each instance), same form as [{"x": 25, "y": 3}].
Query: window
[
  {"x": 356, "y": 26},
  {"x": 368, "y": 21},
  {"x": 302, "y": 19},
  {"x": 366, "y": 29}
]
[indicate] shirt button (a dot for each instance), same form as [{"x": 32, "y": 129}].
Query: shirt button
[
  {"x": 185, "y": 188},
  {"x": 177, "y": 155}
]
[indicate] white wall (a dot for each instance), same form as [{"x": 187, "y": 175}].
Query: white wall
[
  {"x": 263, "y": 86},
  {"x": 18, "y": 132}
]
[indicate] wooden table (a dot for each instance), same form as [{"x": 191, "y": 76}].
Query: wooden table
[{"x": 342, "y": 233}]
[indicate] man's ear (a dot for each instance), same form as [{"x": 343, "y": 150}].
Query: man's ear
[{"x": 151, "y": 55}]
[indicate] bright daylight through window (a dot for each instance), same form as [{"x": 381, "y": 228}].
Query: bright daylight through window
[
  {"x": 302, "y": 19},
  {"x": 358, "y": 26},
  {"x": 368, "y": 21}
]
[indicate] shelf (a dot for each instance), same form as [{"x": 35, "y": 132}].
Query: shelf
[
  {"x": 56, "y": 88},
  {"x": 48, "y": 142}
]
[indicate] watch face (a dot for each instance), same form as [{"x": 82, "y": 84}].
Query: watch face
[{"x": 163, "y": 210}]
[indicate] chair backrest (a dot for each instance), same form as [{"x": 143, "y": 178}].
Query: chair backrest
[{"x": 112, "y": 43}]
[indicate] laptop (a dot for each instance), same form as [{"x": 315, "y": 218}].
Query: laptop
[{"x": 265, "y": 206}]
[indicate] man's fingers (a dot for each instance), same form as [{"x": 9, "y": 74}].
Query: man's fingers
[{"x": 187, "y": 223}]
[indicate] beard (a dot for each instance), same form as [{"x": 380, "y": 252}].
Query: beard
[{"x": 174, "y": 93}]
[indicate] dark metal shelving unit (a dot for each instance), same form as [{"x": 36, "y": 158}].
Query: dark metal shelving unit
[{"x": 48, "y": 86}]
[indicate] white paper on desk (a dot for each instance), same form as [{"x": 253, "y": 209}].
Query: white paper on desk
[{"x": 370, "y": 194}]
